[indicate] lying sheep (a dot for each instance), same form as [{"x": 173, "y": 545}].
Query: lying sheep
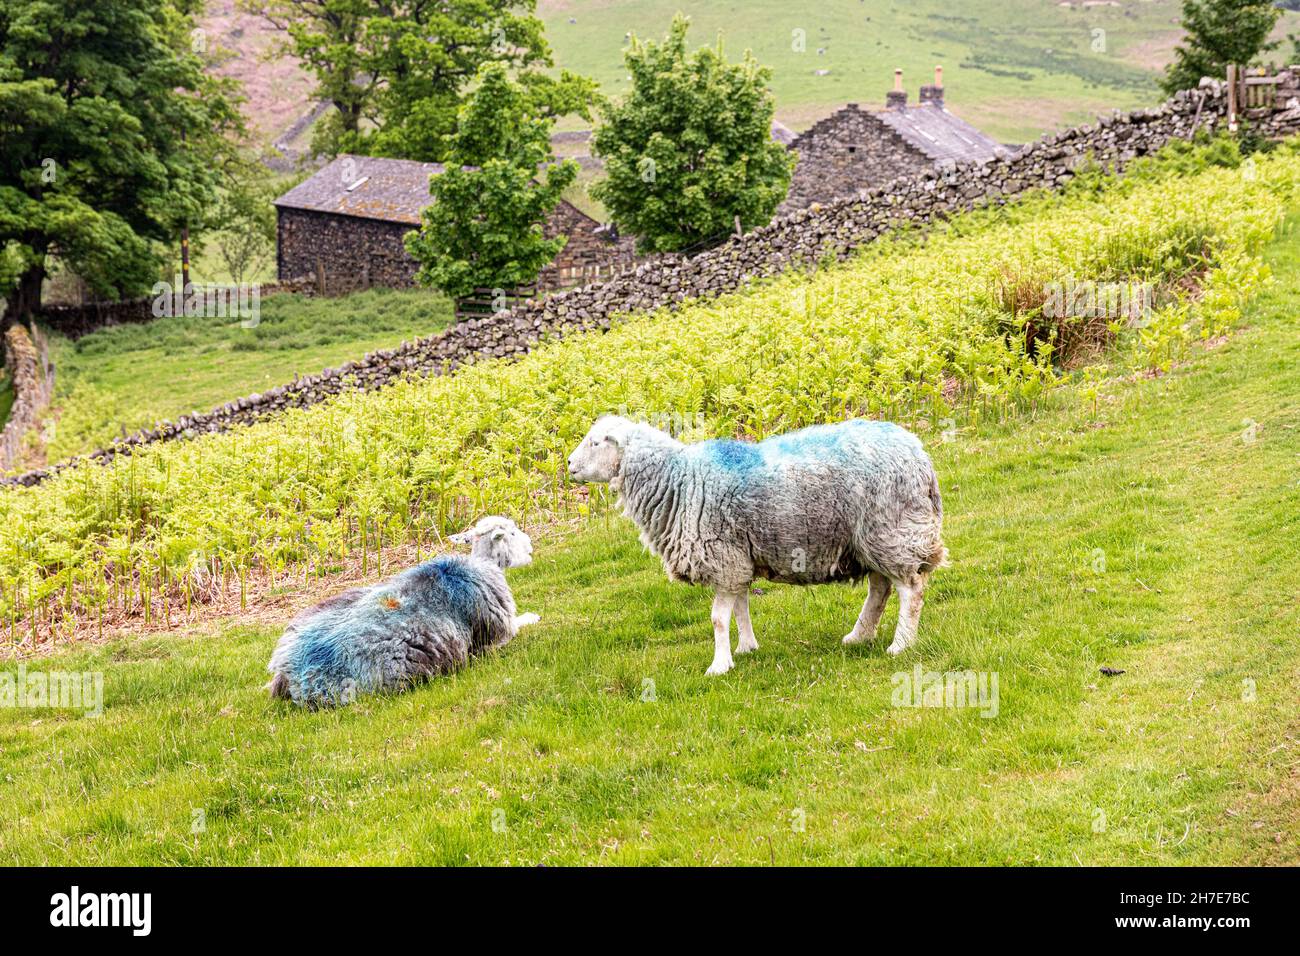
[
  {"x": 430, "y": 619},
  {"x": 828, "y": 503}
]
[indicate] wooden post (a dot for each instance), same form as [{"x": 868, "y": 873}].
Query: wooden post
[
  {"x": 320, "y": 276},
  {"x": 1232, "y": 97},
  {"x": 185, "y": 246}
]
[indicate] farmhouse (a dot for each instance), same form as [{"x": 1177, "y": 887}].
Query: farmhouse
[
  {"x": 855, "y": 149},
  {"x": 346, "y": 223}
]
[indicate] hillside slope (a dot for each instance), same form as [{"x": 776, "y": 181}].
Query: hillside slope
[
  {"x": 918, "y": 331},
  {"x": 1015, "y": 68},
  {"x": 1147, "y": 524}
]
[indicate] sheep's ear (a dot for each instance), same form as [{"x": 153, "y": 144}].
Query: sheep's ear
[
  {"x": 499, "y": 534},
  {"x": 463, "y": 537},
  {"x": 617, "y": 432}
]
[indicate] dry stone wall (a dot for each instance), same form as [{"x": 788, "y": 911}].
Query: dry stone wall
[
  {"x": 74, "y": 321},
  {"x": 801, "y": 240},
  {"x": 27, "y": 362}
]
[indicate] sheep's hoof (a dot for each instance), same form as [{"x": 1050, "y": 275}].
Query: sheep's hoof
[
  {"x": 744, "y": 648},
  {"x": 853, "y": 637},
  {"x": 719, "y": 667},
  {"x": 896, "y": 648}
]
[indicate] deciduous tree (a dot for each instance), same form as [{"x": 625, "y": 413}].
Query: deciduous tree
[
  {"x": 1219, "y": 32},
  {"x": 397, "y": 70},
  {"x": 110, "y": 134},
  {"x": 484, "y": 228},
  {"x": 688, "y": 150},
  {"x": 243, "y": 229}
]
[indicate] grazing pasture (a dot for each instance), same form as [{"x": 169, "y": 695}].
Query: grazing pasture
[
  {"x": 1144, "y": 523},
  {"x": 205, "y": 362},
  {"x": 1130, "y": 506}
]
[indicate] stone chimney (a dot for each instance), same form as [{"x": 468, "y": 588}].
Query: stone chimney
[
  {"x": 896, "y": 98},
  {"x": 934, "y": 94}
]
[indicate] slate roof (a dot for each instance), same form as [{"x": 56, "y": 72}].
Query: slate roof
[
  {"x": 370, "y": 187},
  {"x": 940, "y": 135},
  {"x": 782, "y": 133}
]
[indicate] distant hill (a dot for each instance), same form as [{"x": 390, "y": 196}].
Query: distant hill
[
  {"x": 1011, "y": 67},
  {"x": 278, "y": 91},
  {"x": 1014, "y": 68}
]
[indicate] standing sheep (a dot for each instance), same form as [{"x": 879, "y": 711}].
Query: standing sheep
[
  {"x": 828, "y": 503},
  {"x": 428, "y": 620}
]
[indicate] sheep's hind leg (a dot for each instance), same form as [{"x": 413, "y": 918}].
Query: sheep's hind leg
[
  {"x": 723, "y": 603},
  {"x": 872, "y": 608},
  {"x": 910, "y": 598},
  {"x": 744, "y": 628}
]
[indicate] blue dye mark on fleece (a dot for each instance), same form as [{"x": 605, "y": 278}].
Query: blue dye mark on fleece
[
  {"x": 337, "y": 645},
  {"x": 449, "y": 577},
  {"x": 320, "y": 650},
  {"x": 828, "y": 443},
  {"x": 733, "y": 456}
]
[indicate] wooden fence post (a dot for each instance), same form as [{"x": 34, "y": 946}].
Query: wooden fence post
[{"x": 1232, "y": 97}]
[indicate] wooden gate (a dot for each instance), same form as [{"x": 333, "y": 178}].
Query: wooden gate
[
  {"x": 1253, "y": 93},
  {"x": 484, "y": 302}
]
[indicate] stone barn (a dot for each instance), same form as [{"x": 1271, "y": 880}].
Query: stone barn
[
  {"x": 855, "y": 149},
  {"x": 348, "y": 221}
]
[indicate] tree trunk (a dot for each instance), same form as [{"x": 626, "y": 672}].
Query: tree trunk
[
  {"x": 350, "y": 112},
  {"x": 24, "y": 300}
]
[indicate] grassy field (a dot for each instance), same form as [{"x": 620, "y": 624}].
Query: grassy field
[
  {"x": 1148, "y": 528},
  {"x": 103, "y": 387},
  {"x": 1012, "y": 67}
]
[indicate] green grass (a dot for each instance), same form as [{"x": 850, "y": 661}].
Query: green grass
[
  {"x": 1014, "y": 68},
  {"x": 131, "y": 376},
  {"x": 1153, "y": 533}
]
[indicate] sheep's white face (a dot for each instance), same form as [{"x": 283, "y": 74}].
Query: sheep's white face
[
  {"x": 498, "y": 540},
  {"x": 600, "y": 455}
]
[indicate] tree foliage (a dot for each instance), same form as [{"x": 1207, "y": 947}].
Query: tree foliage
[
  {"x": 1219, "y": 32},
  {"x": 484, "y": 228},
  {"x": 397, "y": 70},
  {"x": 243, "y": 229},
  {"x": 111, "y": 138},
  {"x": 689, "y": 149}
]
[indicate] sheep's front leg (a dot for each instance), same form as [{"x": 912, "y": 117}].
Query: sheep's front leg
[
  {"x": 872, "y": 608},
  {"x": 517, "y": 622},
  {"x": 744, "y": 628},
  {"x": 723, "y": 603},
  {"x": 909, "y": 615}
]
